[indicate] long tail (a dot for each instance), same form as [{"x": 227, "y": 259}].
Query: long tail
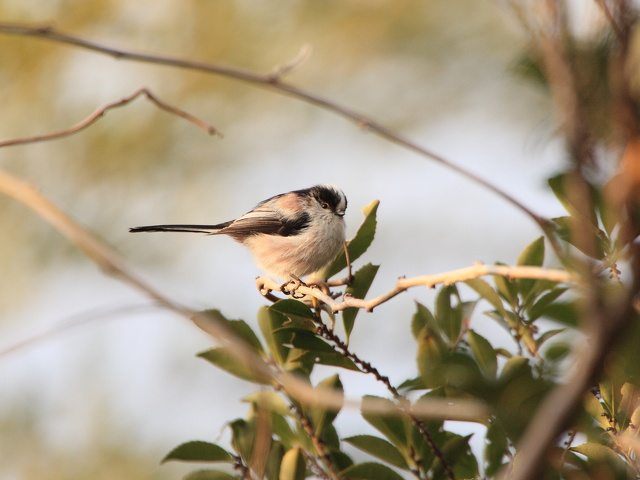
[{"x": 180, "y": 228}]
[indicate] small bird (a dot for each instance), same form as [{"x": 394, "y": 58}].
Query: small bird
[{"x": 290, "y": 235}]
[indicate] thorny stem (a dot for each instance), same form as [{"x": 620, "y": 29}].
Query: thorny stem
[
  {"x": 318, "y": 443},
  {"x": 403, "y": 402}
]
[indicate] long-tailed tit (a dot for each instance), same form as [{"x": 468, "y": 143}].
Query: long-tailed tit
[{"x": 290, "y": 235}]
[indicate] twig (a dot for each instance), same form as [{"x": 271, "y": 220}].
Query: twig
[
  {"x": 267, "y": 285},
  {"x": 403, "y": 402},
  {"x": 274, "y": 83},
  {"x": 113, "y": 265},
  {"x": 96, "y": 115}
]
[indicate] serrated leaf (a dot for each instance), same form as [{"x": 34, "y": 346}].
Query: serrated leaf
[
  {"x": 484, "y": 353},
  {"x": 198, "y": 451},
  {"x": 224, "y": 358},
  {"x": 357, "y": 245},
  {"x": 362, "y": 280},
  {"x": 379, "y": 448},
  {"x": 293, "y": 466},
  {"x": 290, "y": 307},
  {"x": 370, "y": 471},
  {"x": 240, "y": 328},
  {"x": 210, "y": 475}
]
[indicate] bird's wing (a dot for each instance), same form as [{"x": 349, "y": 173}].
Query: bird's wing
[{"x": 265, "y": 221}]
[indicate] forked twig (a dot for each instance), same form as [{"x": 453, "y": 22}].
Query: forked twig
[
  {"x": 101, "y": 111},
  {"x": 266, "y": 285}
]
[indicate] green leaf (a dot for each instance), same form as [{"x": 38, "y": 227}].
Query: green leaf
[
  {"x": 562, "y": 312},
  {"x": 224, "y": 358},
  {"x": 333, "y": 359},
  {"x": 357, "y": 245},
  {"x": 294, "y": 308},
  {"x": 601, "y": 454},
  {"x": 379, "y": 448},
  {"x": 536, "y": 310},
  {"x": 430, "y": 360},
  {"x": 306, "y": 340},
  {"x": 321, "y": 416},
  {"x": 458, "y": 455},
  {"x": 270, "y": 401},
  {"x": 240, "y": 328},
  {"x": 495, "y": 449},
  {"x": 532, "y": 255},
  {"x": 566, "y": 228},
  {"x": 548, "y": 335},
  {"x": 423, "y": 322},
  {"x": 270, "y": 321},
  {"x": 274, "y": 461},
  {"x": 487, "y": 292},
  {"x": 391, "y": 426},
  {"x": 506, "y": 288},
  {"x": 198, "y": 451},
  {"x": 362, "y": 280},
  {"x": 242, "y": 437},
  {"x": 210, "y": 475},
  {"x": 293, "y": 466},
  {"x": 370, "y": 471},
  {"x": 484, "y": 353},
  {"x": 449, "y": 317}
]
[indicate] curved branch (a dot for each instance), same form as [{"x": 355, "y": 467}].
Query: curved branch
[
  {"x": 267, "y": 285},
  {"x": 273, "y": 82},
  {"x": 101, "y": 111}
]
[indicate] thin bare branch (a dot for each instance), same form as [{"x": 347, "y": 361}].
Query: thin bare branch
[
  {"x": 101, "y": 111},
  {"x": 267, "y": 285},
  {"x": 274, "y": 83}
]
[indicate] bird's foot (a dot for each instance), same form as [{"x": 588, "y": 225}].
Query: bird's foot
[{"x": 291, "y": 287}]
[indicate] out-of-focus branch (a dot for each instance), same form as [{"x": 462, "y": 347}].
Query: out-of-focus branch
[
  {"x": 266, "y": 284},
  {"x": 98, "y": 113},
  {"x": 275, "y": 83},
  {"x": 115, "y": 266}
]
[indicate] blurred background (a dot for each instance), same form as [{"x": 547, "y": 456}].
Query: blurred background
[{"x": 116, "y": 385}]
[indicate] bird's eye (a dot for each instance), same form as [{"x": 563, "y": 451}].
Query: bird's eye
[{"x": 324, "y": 205}]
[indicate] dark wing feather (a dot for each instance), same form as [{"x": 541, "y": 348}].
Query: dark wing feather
[{"x": 267, "y": 222}]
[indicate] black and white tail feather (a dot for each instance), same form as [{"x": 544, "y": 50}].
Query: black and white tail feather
[{"x": 290, "y": 235}]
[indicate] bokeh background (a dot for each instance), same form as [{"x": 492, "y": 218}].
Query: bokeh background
[{"x": 113, "y": 383}]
